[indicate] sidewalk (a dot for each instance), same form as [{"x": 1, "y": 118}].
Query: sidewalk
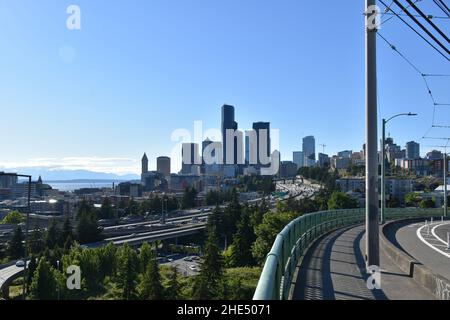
[{"x": 334, "y": 269}]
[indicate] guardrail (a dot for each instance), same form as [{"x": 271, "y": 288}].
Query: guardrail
[{"x": 293, "y": 241}]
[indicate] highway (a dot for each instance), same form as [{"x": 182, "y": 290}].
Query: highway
[
  {"x": 8, "y": 274},
  {"x": 137, "y": 238}
]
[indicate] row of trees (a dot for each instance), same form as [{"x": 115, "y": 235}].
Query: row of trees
[
  {"x": 122, "y": 273},
  {"x": 251, "y": 183},
  {"x": 57, "y": 239},
  {"x": 132, "y": 207}
]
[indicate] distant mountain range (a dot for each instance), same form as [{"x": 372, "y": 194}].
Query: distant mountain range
[{"x": 71, "y": 175}]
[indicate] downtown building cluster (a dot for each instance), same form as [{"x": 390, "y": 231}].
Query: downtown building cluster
[{"x": 213, "y": 164}]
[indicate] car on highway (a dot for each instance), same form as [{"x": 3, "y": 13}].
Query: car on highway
[
  {"x": 20, "y": 263},
  {"x": 195, "y": 258},
  {"x": 193, "y": 268},
  {"x": 188, "y": 259}
]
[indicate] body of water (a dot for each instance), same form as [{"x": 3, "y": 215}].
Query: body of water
[{"x": 71, "y": 186}]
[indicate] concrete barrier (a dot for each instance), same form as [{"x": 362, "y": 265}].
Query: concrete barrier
[{"x": 434, "y": 283}]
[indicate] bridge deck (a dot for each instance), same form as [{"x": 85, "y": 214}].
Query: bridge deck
[{"x": 334, "y": 269}]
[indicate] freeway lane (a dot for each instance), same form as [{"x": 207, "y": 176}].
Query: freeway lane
[
  {"x": 156, "y": 232},
  {"x": 144, "y": 223},
  {"x": 161, "y": 236},
  {"x": 9, "y": 272}
]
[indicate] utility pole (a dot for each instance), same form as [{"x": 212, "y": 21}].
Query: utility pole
[
  {"x": 383, "y": 170},
  {"x": 372, "y": 221},
  {"x": 445, "y": 184}
]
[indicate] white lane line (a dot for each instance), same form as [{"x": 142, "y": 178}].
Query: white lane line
[
  {"x": 433, "y": 232},
  {"x": 419, "y": 235}
]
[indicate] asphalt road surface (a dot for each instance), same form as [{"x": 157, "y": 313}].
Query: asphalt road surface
[{"x": 427, "y": 244}]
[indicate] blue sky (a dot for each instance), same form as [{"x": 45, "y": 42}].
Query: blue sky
[{"x": 139, "y": 69}]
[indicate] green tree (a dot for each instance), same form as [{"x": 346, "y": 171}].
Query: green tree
[
  {"x": 340, "y": 200},
  {"x": 15, "y": 248},
  {"x": 87, "y": 228},
  {"x": 127, "y": 269},
  {"x": 90, "y": 266},
  {"x": 208, "y": 284},
  {"x": 106, "y": 211},
  {"x": 36, "y": 241},
  {"x": 173, "y": 290},
  {"x": 66, "y": 236},
  {"x": 237, "y": 291},
  {"x": 31, "y": 268},
  {"x": 189, "y": 196},
  {"x": 107, "y": 260},
  {"x": 132, "y": 208},
  {"x": 273, "y": 223},
  {"x": 44, "y": 284},
  {"x": 150, "y": 286},
  {"x": 412, "y": 199},
  {"x": 241, "y": 248},
  {"x": 231, "y": 216},
  {"x": 428, "y": 203},
  {"x": 145, "y": 256},
  {"x": 14, "y": 217},
  {"x": 52, "y": 235}
]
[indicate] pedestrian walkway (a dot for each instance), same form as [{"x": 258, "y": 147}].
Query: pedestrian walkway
[{"x": 334, "y": 269}]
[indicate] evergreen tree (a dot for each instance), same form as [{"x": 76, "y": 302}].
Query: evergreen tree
[
  {"x": 189, "y": 196},
  {"x": 108, "y": 261},
  {"x": 232, "y": 215},
  {"x": 127, "y": 270},
  {"x": 31, "y": 268},
  {"x": 90, "y": 266},
  {"x": 106, "y": 211},
  {"x": 44, "y": 285},
  {"x": 145, "y": 256},
  {"x": 66, "y": 236},
  {"x": 237, "y": 291},
  {"x": 52, "y": 235},
  {"x": 132, "y": 208},
  {"x": 151, "y": 287},
  {"x": 36, "y": 241},
  {"x": 87, "y": 228},
  {"x": 15, "y": 248},
  {"x": 173, "y": 290},
  {"x": 241, "y": 249},
  {"x": 208, "y": 284}
]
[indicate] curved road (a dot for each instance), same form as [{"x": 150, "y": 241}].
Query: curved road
[
  {"x": 334, "y": 269},
  {"x": 7, "y": 273},
  {"x": 429, "y": 248}
]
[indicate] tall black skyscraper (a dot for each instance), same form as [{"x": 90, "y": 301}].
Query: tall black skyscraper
[
  {"x": 228, "y": 123},
  {"x": 257, "y": 126}
]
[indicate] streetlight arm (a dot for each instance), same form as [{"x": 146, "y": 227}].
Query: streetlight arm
[{"x": 400, "y": 114}]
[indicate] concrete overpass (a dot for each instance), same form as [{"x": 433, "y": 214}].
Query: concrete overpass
[
  {"x": 151, "y": 236},
  {"x": 7, "y": 275}
]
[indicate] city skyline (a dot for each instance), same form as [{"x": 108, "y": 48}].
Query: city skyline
[{"x": 92, "y": 112}]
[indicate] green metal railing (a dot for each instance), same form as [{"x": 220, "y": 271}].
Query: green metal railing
[{"x": 293, "y": 241}]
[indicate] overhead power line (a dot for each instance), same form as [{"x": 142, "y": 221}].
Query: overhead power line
[
  {"x": 442, "y": 6},
  {"x": 418, "y": 23},
  {"x": 417, "y": 32},
  {"x": 424, "y": 77},
  {"x": 431, "y": 23}
]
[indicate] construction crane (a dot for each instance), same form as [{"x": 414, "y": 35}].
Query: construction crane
[{"x": 323, "y": 147}]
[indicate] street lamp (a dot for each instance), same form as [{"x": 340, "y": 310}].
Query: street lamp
[
  {"x": 383, "y": 152},
  {"x": 26, "y": 225}
]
